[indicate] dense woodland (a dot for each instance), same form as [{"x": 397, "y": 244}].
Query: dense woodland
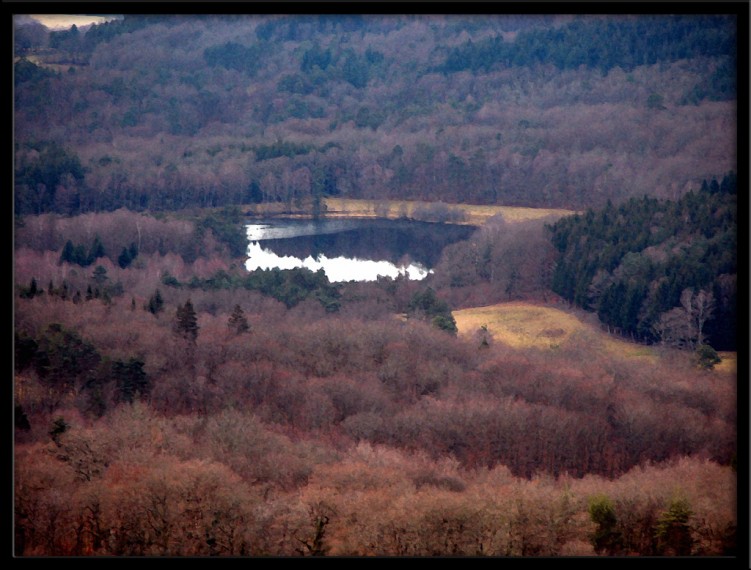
[
  {"x": 166, "y": 112},
  {"x": 168, "y": 402},
  {"x": 632, "y": 264}
]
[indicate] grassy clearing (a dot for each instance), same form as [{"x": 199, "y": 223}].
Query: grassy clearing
[
  {"x": 525, "y": 325},
  {"x": 475, "y": 215}
]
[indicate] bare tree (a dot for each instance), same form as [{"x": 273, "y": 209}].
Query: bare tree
[{"x": 684, "y": 326}]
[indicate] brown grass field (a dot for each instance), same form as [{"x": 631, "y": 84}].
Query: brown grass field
[
  {"x": 475, "y": 215},
  {"x": 528, "y": 325}
]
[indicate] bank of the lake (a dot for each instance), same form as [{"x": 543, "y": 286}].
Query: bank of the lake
[{"x": 468, "y": 214}]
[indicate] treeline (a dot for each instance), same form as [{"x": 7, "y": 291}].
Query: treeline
[
  {"x": 605, "y": 43},
  {"x": 502, "y": 261},
  {"x": 634, "y": 263},
  {"x": 121, "y": 236},
  {"x": 289, "y": 286},
  {"x": 165, "y": 112}
]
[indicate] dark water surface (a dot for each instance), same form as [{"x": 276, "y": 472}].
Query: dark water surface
[{"x": 357, "y": 250}]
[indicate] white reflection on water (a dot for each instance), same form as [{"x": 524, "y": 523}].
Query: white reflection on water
[
  {"x": 300, "y": 228},
  {"x": 337, "y": 269}
]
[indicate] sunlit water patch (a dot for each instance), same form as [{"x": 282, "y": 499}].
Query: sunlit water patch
[
  {"x": 351, "y": 250},
  {"x": 337, "y": 269}
]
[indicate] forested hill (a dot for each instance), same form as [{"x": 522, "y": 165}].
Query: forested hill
[
  {"x": 166, "y": 112},
  {"x": 655, "y": 269}
]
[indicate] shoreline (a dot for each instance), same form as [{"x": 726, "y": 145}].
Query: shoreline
[{"x": 356, "y": 208}]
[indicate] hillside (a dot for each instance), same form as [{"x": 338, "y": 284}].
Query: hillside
[
  {"x": 634, "y": 263},
  {"x": 165, "y": 112},
  {"x": 527, "y": 325}
]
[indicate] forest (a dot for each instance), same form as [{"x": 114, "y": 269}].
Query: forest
[
  {"x": 511, "y": 110},
  {"x": 169, "y": 402},
  {"x": 632, "y": 264}
]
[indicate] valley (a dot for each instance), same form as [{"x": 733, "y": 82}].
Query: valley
[{"x": 543, "y": 363}]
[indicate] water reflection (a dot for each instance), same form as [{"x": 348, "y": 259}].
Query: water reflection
[
  {"x": 337, "y": 269},
  {"x": 359, "y": 250}
]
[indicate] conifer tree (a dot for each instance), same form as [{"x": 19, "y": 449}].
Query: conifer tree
[
  {"x": 124, "y": 259},
  {"x": 673, "y": 531},
  {"x": 237, "y": 321},
  {"x": 187, "y": 324},
  {"x": 68, "y": 253},
  {"x": 96, "y": 251},
  {"x": 156, "y": 303}
]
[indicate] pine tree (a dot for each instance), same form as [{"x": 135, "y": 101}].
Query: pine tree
[
  {"x": 67, "y": 254},
  {"x": 156, "y": 303},
  {"x": 673, "y": 531},
  {"x": 131, "y": 379},
  {"x": 124, "y": 259},
  {"x": 187, "y": 324},
  {"x": 96, "y": 251},
  {"x": 237, "y": 321}
]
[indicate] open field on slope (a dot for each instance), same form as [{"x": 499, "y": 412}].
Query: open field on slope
[
  {"x": 475, "y": 215},
  {"x": 526, "y": 325}
]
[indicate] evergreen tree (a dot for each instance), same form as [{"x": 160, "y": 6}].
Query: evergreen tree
[
  {"x": 131, "y": 379},
  {"x": 79, "y": 256},
  {"x": 672, "y": 530},
  {"x": 156, "y": 303},
  {"x": 707, "y": 357},
  {"x": 68, "y": 253},
  {"x": 96, "y": 251},
  {"x": 425, "y": 305},
  {"x": 31, "y": 291},
  {"x": 124, "y": 259},
  {"x": 59, "y": 427},
  {"x": 606, "y": 538},
  {"x": 186, "y": 323},
  {"x": 237, "y": 321}
]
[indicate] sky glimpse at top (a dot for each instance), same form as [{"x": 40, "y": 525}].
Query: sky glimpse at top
[{"x": 65, "y": 21}]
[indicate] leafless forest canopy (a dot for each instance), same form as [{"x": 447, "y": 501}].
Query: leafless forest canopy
[{"x": 165, "y": 112}]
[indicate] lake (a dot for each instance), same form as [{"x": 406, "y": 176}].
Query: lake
[{"x": 351, "y": 250}]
